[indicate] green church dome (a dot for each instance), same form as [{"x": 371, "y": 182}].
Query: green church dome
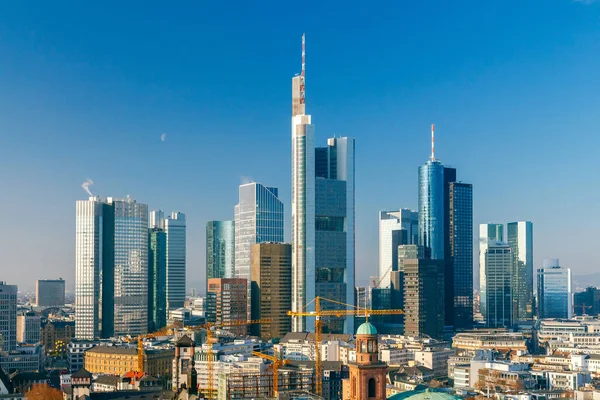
[
  {"x": 428, "y": 394},
  {"x": 366, "y": 329}
]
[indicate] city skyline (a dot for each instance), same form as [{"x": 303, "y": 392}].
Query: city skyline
[{"x": 57, "y": 171}]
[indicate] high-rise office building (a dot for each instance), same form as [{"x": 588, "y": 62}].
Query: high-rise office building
[
  {"x": 424, "y": 297},
  {"x": 445, "y": 232},
  {"x": 111, "y": 288},
  {"x": 459, "y": 304},
  {"x": 228, "y": 302},
  {"x": 488, "y": 233},
  {"x": 362, "y": 297},
  {"x": 395, "y": 228},
  {"x": 271, "y": 288},
  {"x": 322, "y": 216},
  {"x": 587, "y": 302},
  {"x": 175, "y": 229},
  {"x": 8, "y": 317},
  {"x": 157, "y": 278},
  {"x": 499, "y": 262},
  {"x": 554, "y": 291},
  {"x": 220, "y": 249},
  {"x": 50, "y": 292},
  {"x": 520, "y": 239},
  {"x": 157, "y": 219},
  {"x": 29, "y": 327}
]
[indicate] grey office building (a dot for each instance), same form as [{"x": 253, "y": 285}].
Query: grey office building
[
  {"x": 50, "y": 293},
  {"x": 554, "y": 291},
  {"x": 175, "y": 228},
  {"x": 499, "y": 266},
  {"x": 488, "y": 233},
  {"x": 8, "y": 317}
]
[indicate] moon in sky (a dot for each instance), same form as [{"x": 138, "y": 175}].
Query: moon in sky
[{"x": 163, "y": 137}]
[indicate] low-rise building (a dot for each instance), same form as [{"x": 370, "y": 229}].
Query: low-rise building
[
  {"x": 489, "y": 339},
  {"x": 76, "y": 351},
  {"x": 435, "y": 359},
  {"x": 54, "y": 331},
  {"x": 115, "y": 360}
]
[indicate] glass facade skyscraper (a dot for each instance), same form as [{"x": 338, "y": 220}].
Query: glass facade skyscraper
[
  {"x": 395, "y": 228},
  {"x": 220, "y": 249},
  {"x": 432, "y": 208},
  {"x": 175, "y": 229},
  {"x": 520, "y": 239},
  {"x": 111, "y": 268},
  {"x": 554, "y": 291},
  {"x": 488, "y": 233},
  {"x": 459, "y": 283},
  {"x": 8, "y": 317},
  {"x": 157, "y": 279},
  {"x": 499, "y": 262}
]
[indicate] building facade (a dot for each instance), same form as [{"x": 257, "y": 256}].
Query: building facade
[
  {"x": 431, "y": 208},
  {"x": 271, "y": 289},
  {"x": 220, "y": 249},
  {"x": 114, "y": 360},
  {"x": 499, "y": 267},
  {"x": 520, "y": 239},
  {"x": 8, "y": 317},
  {"x": 157, "y": 279},
  {"x": 54, "y": 332},
  {"x": 587, "y": 302},
  {"x": 554, "y": 291},
  {"x": 175, "y": 229},
  {"x": 111, "y": 256},
  {"x": 28, "y": 328},
  {"x": 488, "y": 233},
  {"x": 424, "y": 312},
  {"x": 50, "y": 292},
  {"x": 395, "y": 228},
  {"x": 229, "y": 300}
]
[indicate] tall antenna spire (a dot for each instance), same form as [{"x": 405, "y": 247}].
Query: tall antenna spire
[
  {"x": 302, "y": 75},
  {"x": 432, "y": 142}
]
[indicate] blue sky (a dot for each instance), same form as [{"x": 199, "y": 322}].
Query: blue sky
[{"x": 86, "y": 90}]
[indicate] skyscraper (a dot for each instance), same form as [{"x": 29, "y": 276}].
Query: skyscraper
[
  {"x": 229, "y": 299},
  {"x": 445, "y": 232},
  {"x": 175, "y": 229},
  {"x": 520, "y": 239},
  {"x": 29, "y": 327},
  {"x": 554, "y": 291},
  {"x": 459, "y": 302},
  {"x": 424, "y": 297},
  {"x": 157, "y": 278},
  {"x": 111, "y": 286},
  {"x": 499, "y": 262},
  {"x": 488, "y": 233},
  {"x": 8, "y": 317},
  {"x": 395, "y": 228},
  {"x": 271, "y": 288},
  {"x": 322, "y": 216},
  {"x": 50, "y": 292},
  {"x": 220, "y": 249}
]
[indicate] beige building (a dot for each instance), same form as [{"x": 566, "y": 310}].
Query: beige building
[
  {"x": 120, "y": 360},
  {"x": 489, "y": 339},
  {"x": 271, "y": 276}
]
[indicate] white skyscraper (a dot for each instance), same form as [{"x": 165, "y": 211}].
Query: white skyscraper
[
  {"x": 111, "y": 277},
  {"x": 176, "y": 259},
  {"x": 395, "y": 228}
]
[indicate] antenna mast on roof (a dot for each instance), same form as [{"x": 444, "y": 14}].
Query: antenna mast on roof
[
  {"x": 302, "y": 74},
  {"x": 432, "y": 142}
]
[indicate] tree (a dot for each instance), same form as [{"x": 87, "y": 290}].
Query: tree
[{"x": 41, "y": 391}]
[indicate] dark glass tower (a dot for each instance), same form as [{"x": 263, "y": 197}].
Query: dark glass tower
[
  {"x": 157, "y": 279},
  {"x": 220, "y": 249}
]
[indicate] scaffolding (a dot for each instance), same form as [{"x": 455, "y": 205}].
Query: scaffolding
[{"x": 260, "y": 386}]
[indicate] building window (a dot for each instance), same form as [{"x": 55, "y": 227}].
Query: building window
[{"x": 372, "y": 388}]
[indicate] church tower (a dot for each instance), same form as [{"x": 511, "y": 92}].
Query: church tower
[{"x": 367, "y": 375}]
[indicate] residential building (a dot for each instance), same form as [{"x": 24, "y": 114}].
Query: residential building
[
  {"x": 488, "y": 233},
  {"x": 499, "y": 263},
  {"x": 423, "y": 297},
  {"x": 175, "y": 229},
  {"x": 50, "y": 292},
  {"x": 157, "y": 278},
  {"x": 111, "y": 259},
  {"x": 8, "y": 317},
  {"x": 258, "y": 219},
  {"x": 322, "y": 217},
  {"x": 395, "y": 228},
  {"x": 520, "y": 239},
  {"x": 28, "y": 327},
  {"x": 587, "y": 302},
  {"x": 436, "y": 359},
  {"x": 271, "y": 288},
  {"x": 115, "y": 360},
  {"x": 554, "y": 291},
  {"x": 229, "y": 302},
  {"x": 55, "y": 331},
  {"x": 220, "y": 249}
]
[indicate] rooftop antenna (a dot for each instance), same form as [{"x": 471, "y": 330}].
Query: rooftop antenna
[
  {"x": 302, "y": 74},
  {"x": 432, "y": 142}
]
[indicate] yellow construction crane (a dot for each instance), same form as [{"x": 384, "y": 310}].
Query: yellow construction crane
[
  {"x": 167, "y": 330},
  {"x": 277, "y": 361},
  {"x": 318, "y": 313}
]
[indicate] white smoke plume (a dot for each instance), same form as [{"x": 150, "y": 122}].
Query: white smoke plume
[
  {"x": 163, "y": 137},
  {"x": 246, "y": 179},
  {"x": 86, "y": 186}
]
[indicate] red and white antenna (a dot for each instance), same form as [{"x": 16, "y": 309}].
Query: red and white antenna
[
  {"x": 432, "y": 142},
  {"x": 302, "y": 74}
]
